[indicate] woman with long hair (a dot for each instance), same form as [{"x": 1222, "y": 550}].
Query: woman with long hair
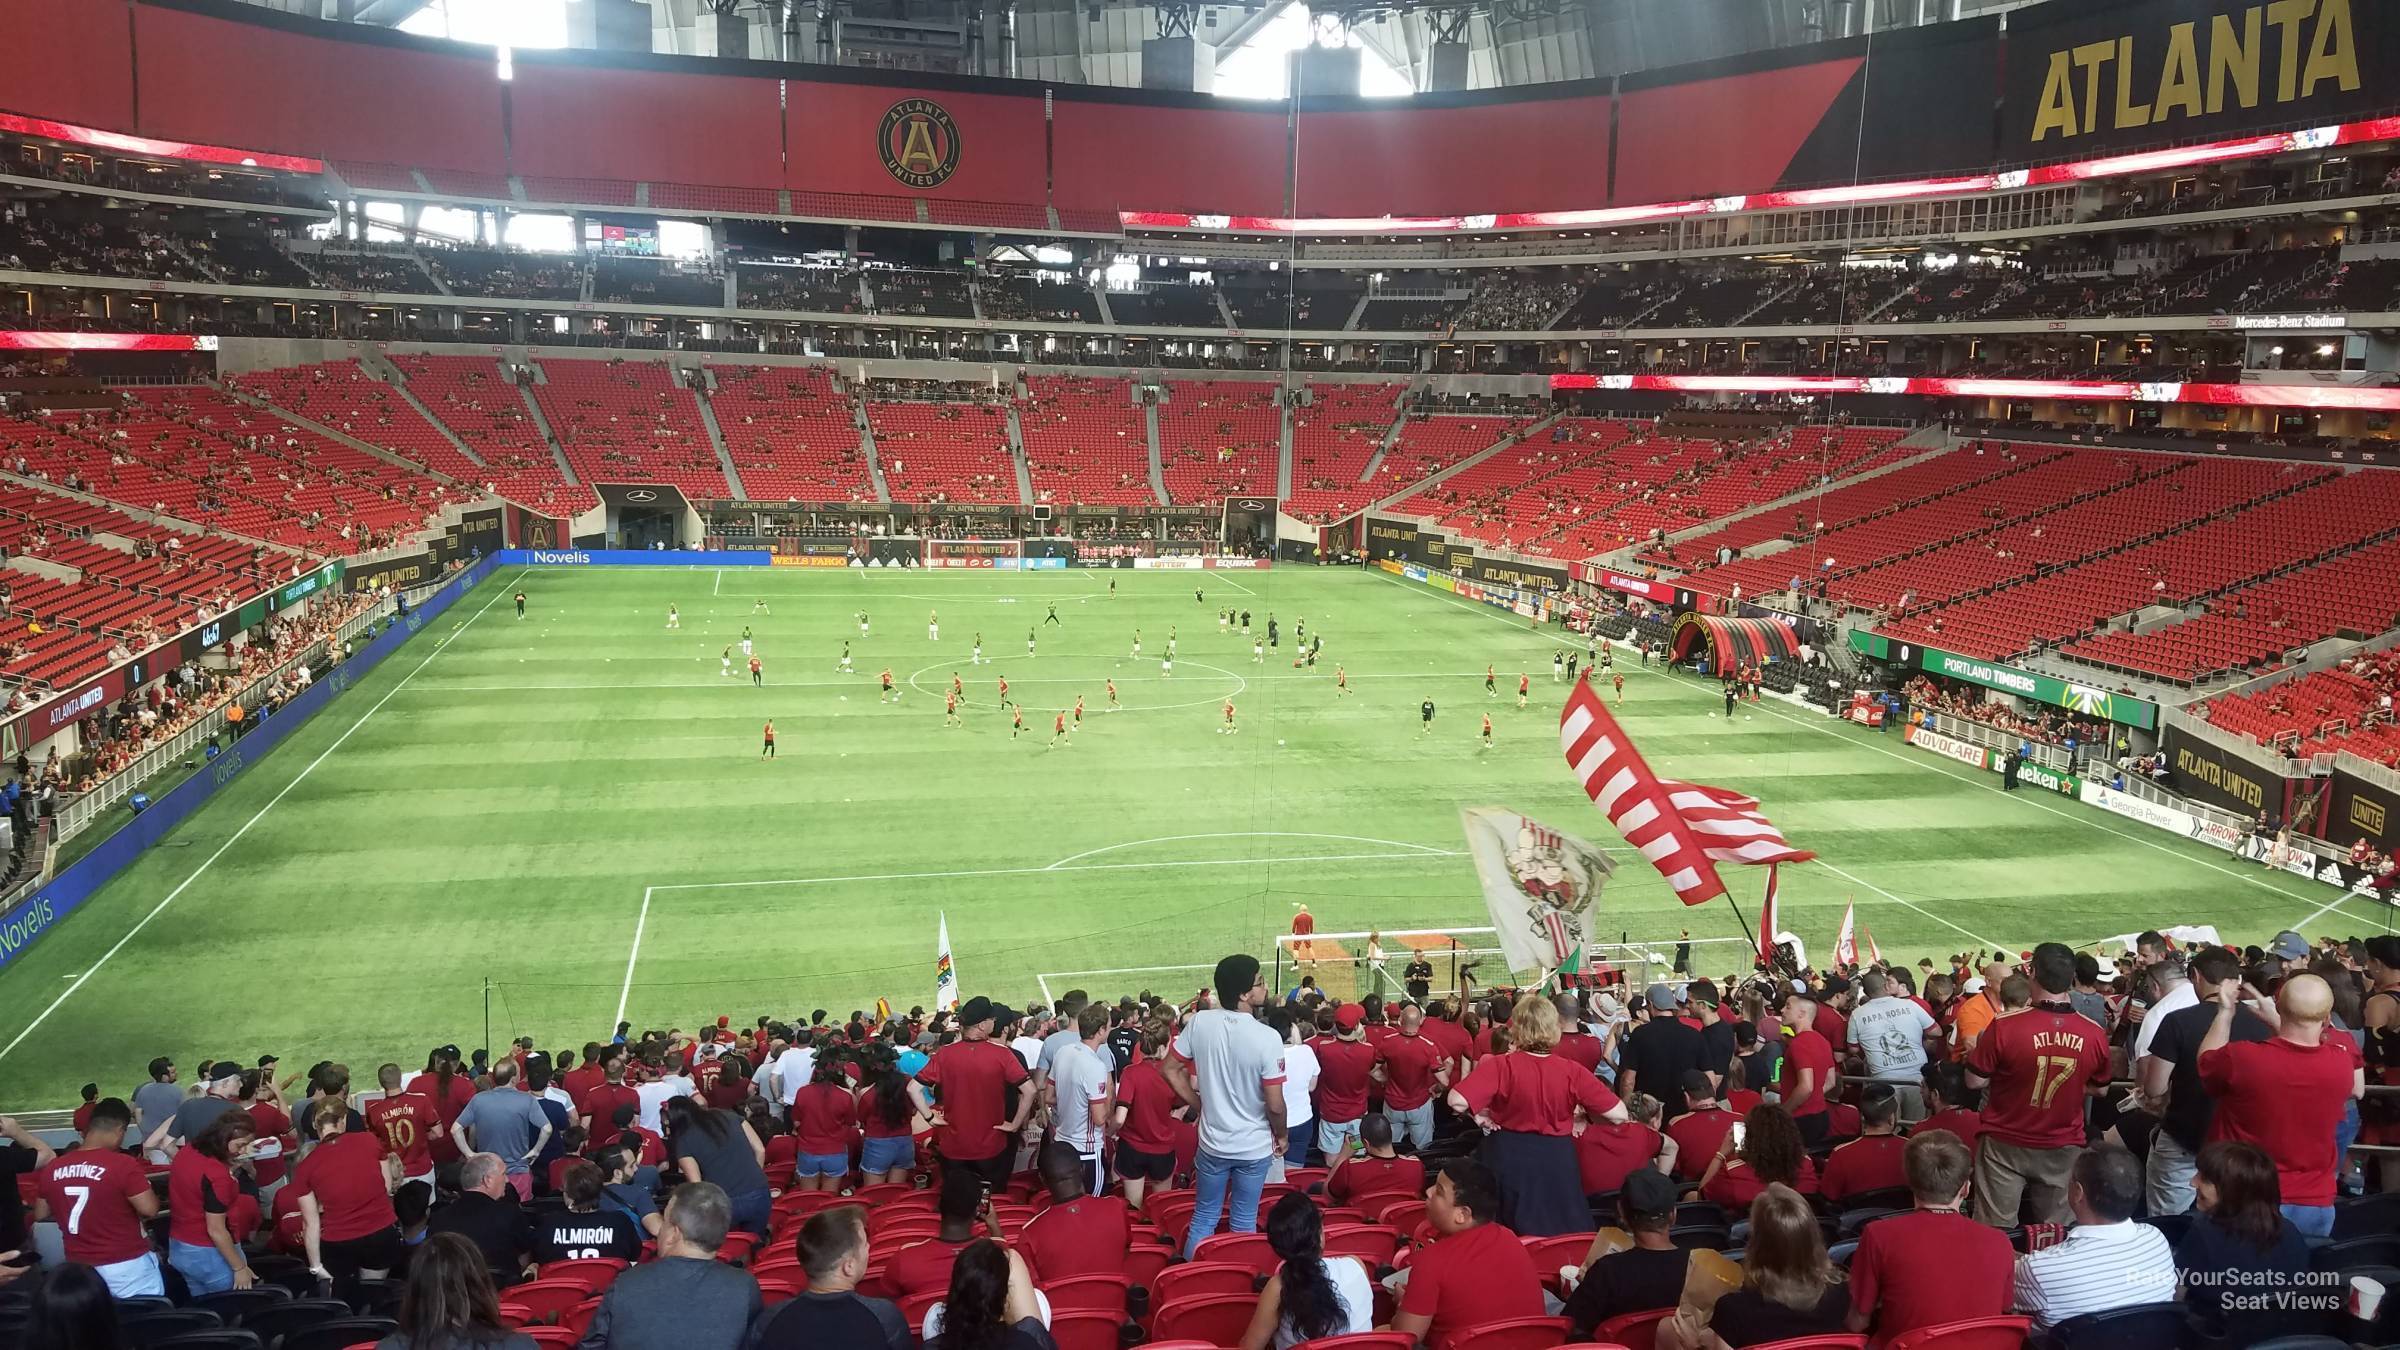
[
  {"x": 72, "y": 1310},
  {"x": 1145, "y": 1116},
  {"x": 348, "y": 1226},
  {"x": 720, "y": 1147},
  {"x": 824, "y": 1121},
  {"x": 2238, "y": 1241},
  {"x": 1310, "y": 1295},
  {"x": 201, "y": 1195},
  {"x": 1529, "y": 1102},
  {"x": 1789, "y": 1287},
  {"x": 889, "y": 1120},
  {"x": 449, "y": 1303},
  {"x": 1764, "y": 1150},
  {"x": 991, "y": 1304}
]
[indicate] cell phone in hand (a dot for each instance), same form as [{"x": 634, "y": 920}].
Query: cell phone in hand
[{"x": 1741, "y": 1131}]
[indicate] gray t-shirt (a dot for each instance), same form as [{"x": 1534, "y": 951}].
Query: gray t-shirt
[
  {"x": 153, "y": 1102},
  {"x": 196, "y": 1114},
  {"x": 1080, "y": 1077},
  {"x": 1890, "y": 1033},
  {"x": 505, "y": 1121}
]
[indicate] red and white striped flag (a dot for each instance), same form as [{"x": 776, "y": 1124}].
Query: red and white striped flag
[
  {"x": 1770, "y": 919},
  {"x": 1845, "y": 942},
  {"x": 1684, "y": 829}
]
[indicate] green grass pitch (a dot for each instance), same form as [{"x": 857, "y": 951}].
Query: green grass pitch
[{"x": 501, "y": 809}]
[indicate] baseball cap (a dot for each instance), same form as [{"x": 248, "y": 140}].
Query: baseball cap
[
  {"x": 2288, "y": 946},
  {"x": 1659, "y": 996},
  {"x": 220, "y": 1070},
  {"x": 977, "y": 1009},
  {"x": 1347, "y": 1017},
  {"x": 1974, "y": 985},
  {"x": 1645, "y": 1191},
  {"x": 1835, "y": 984}
]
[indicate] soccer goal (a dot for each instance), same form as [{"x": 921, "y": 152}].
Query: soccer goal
[{"x": 1353, "y": 965}]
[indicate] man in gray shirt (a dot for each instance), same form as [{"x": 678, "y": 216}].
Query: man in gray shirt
[
  {"x": 156, "y": 1100},
  {"x": 509, "y": 1123},
  {"x": 223, "y": 1082},
  {"x": 686, "y": 1299}
]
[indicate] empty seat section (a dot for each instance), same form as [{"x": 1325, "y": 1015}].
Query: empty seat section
[
  {"x": 1334, "y": 438},
  {"x": 630, "y": 422},
  {"x": 1219, "y": 438},
  {"x": 792, "y": 435},
  {"x": 1085, "y": 441}
]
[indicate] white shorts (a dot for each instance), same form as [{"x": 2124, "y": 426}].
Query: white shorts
[{"x": 137, "y": 1278}]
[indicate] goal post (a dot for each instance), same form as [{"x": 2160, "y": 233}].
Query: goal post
[{"x": 1346, "y": 966}]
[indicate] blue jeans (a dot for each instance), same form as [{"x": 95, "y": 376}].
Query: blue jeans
[
  {"x": 2311, "y": 1220},
  {"x": 1302, "y": 1136},
  {"x": 1243, "y": 1178},
  {"x": 2344, "y": 1135},
  {"x": 204, "y": 1269},
  {"x": 753, "y": 1211}
]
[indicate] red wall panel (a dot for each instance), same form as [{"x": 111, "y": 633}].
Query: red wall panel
[
  {"x": 1541, "y": 155},
  {"x": 832, "y": 129},
  {"x": 69, "y": 62},
  {"x": 1124, "y": 157},
  {"x": 260, "y": 88},
  {"x": 571, "y": 121},
  {"x": 1708, "y": 138}
]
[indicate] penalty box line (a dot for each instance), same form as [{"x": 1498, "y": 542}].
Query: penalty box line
[{"x": 641, "y": 921}]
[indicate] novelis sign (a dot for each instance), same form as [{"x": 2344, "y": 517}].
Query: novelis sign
[{"x": 2090, "y": 700}]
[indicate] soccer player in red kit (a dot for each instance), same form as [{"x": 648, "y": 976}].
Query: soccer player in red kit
[
  {"x": 1058, "y": 727},
  {"x": 1017, "y": 728},
  {"x": 1487, "y": 731},
  {"x": 1228, "y": 729},
  {"x": 958, "y": 687},
  {"x": 766, "y": 748},
  {"x": 1079, "y": 710},
  {"x": 1341, "y": 682},
  {"x": 886, "y": 696},
  {"x": 1619, "y": 677},
  {"x": 1491, "y": 688},
  {"x": 1524, "y": 686},
  {"x": 99, "y": 1196},
  {"x": 1004, "y": 691},
  {"x": 950, "y": 709},
  {"x": 757, "y": 674},
  {"x": 2042, "y": 1062},
  {"x": 1112, "y": 695}
]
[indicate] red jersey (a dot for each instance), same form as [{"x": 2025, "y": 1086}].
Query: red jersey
[
  {"x": 1582, "y": 1047},
  {"x": 1467, "y": 1279},
  {"x": 1736, "y": 1185},
  {"x": 950, "y": 702},
  {"x": 582, "y": 1079},
  {"x": 1487, "y": 724},
  {"x": 754, "y": 665},
  {"x": 1149, "y": 1106},
  {"x": 2286, "y": 1098},
  {"x": 1086, "y": 1236},
  {"x": 1958, "y": 1120},
  {"x": 1448, "y": 1037},
  {"x": 887, "y": 679},
  {"x": 1606, "y": 1154},
  {"x": 1303, "y": 923},
  {"x": 1408, "y": 1067},
  {"x": 824, "y": 1116},
  {"x": 1059, "y": 723},
  {"x": 346, "y": 1176},
  {"x": 1004, "y": 688},
  {"x": 1534, "y": 1094},
  {"x": 90, "y": 1194},
  {"x": 923, "y": 1267},
  {"x": 271, "y": 1123},
  {"x": 972, "y": 1081},
  {"x": 1920, "y": 1269},
  {"x": 2039, "y": 1061},
  {"x": 1367, "y": 1176},
  {"x": 600, "y": 1106},
  {"x": 1524, "y": 683},
  {"x": 406, "y": 1123},
  {"x": 1698, "y": 1135},
  {"x": 769, "y": 731},
  {"x": 1867, "y": 1163},
  {"x": 870, "y": 1117},
  {"x": 1808, "y": 1050},
  {"x": 1342, "y": 1080},
  {"x": 197, "y": 1186}
]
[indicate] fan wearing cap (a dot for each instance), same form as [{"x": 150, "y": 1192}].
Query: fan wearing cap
[
  {"x": 983, "y": 1100},
  {"x": 1346, "y": 1062},
  {"x": 221, "y": 1081},
  {"x": 1645, "y": 1276},
  {"x": 1528, "y": 1100},
  {"x": 1660, "y": 1051}
]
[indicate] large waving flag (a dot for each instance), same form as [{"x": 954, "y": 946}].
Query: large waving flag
[
  {"x": 1684, "y": 829},
  {"x": 945, "y": 975},
  {"x": 1542, "y": 886},
  {"x": 1845, "y": 942}
]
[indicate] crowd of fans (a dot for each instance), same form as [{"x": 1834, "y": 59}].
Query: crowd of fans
[
  {"x": 2049, "y": 726},
  {"x": 2049, "y": 1136}
]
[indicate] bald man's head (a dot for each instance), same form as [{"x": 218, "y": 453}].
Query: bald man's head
[
  {"x": 1994, "y": 973},
  {"x": 2305, "y": 998}
]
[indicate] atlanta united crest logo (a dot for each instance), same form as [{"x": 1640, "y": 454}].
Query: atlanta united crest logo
[{"x": 919, "y": 143}]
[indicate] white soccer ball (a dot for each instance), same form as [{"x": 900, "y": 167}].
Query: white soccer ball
[{"x": 1279, "y": 742}]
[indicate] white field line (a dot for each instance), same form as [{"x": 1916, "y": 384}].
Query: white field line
[{"x": 237, "y": 835}]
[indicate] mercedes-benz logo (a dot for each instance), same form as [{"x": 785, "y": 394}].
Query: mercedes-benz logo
[{"x": 641, "y": 495}]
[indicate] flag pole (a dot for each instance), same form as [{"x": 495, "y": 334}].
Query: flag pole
[{"x": 1744, "y": 920}]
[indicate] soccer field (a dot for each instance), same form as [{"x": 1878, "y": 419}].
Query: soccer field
[{"x": 544, "y": 821}]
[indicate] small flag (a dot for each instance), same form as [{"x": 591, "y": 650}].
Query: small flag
[
  {"x": 1770, "y": 920},
  {"x": 945, "y": 975},
  {"x": 1845, "y": 942},
  {"x": 1874, "y": 951},
  {"x": 883, "y": 1010}
]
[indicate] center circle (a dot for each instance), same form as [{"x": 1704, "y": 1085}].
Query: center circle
[{"x": 1088, "y": 685}]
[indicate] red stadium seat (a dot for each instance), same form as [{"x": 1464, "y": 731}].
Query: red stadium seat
[
  {"x": 1516, "y": 1333},
  {"x": 1636, "y": 1330},
  {"x": 1981, "y": 1333},
  {"x": 915, "y": 1306},
  {"x": 1818, "y": 1343},
  {"x": 594, "y": 1273},
  {"x": 1086, "y": 1329},
  {"x": 1364, "y": 1340},
  {"x": 553, "y": 1338},
  {"x": 1088, "y": 1293},
  {"x": 1245, "y": 1249},
  {"x": 1217, "y": 1319},
  {"x": 1371, "y": 1243},
  {"x": 546, "y": 1299},
  {"x": 1201, "y": 1277},
  {"x": 579, "y": 1318}
]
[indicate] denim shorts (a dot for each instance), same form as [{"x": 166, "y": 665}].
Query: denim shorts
[
  {"x": 822, "y": 1165},
  {"x": 885, "y": 1155}
]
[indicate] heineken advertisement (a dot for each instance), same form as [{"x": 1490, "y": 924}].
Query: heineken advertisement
[
  {"x": 2034, "y": 774},
  {"x": 2090, "y": 700}
]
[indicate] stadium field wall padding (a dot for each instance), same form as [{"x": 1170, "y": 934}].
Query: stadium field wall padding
[
  {"x": 632, "y": 557},
  {"x": 26, "y": 924},
  {"x": 1895, "y": 105}
]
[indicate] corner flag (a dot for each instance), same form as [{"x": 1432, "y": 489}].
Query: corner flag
[{"x": 945, "y": 975}]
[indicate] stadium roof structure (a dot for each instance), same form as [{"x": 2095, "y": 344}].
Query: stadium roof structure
[{"x": 1507, "y": 43}]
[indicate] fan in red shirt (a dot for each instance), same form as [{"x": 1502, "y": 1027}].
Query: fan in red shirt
[
  {"x": 1075, "y": 1234},
  {"x": 926, "y": 1265},
  {"x": 598, "y": 1106},
  {"x": 1380, "y": 1173},
  {"x": 1528, "y": 1100},
  {"x": 1870, "y": 1162},
  {"x": 2286, "y": 1095},
  {"x": 1806, "y": 1070},
  {"x": 206, "y": 1208},
  {"x": 1574, "y": 1042},
  {"x": 345, "y": 1187},
  {"x": 1303, "y": 922},
  {"x": 1413, "y": 1069},
  {"x": 1145, "y": 1122},
  {"x": 1767, "y": 1148},
  {"x": 984, "y": 1101},
  {"x": 1607, "y": 1152},
  {"x": 407, "y": 1123},
  {"x": 1934, "y": 1264},
  {"x": 584, "y": 1076},
  {"x": 825, "y": 1121},
  {"x": 1950, "y": 1105},
  {"x": 2041, "y": 1063},
  {"x": 1476, "y": 1271},
  {"x": 451, "y": 1090},
  {"x": 1346, "y": 1066},
  {"x": 99, "y": 1197},
  {"x": 1700, "y": 1131}
]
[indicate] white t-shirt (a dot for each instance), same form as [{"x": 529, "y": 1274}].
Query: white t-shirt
[
  {"x": 792, "y": 1070},
  {"x": 2181, "y": 997},
  {"x": 1350, "y": 1289},
  {"x": 1300, "y": 1070},
  {"x": 1890, "y": 1032},
  {"x": 1029, "y": 1049},
  {"x": 1234, "y": 1056},
  {"x": 655, "y": 1095},
  {"x": 1080, "y": 1078}
]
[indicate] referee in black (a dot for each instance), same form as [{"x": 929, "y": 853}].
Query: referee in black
[{"x": 1425, "y": 709}]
